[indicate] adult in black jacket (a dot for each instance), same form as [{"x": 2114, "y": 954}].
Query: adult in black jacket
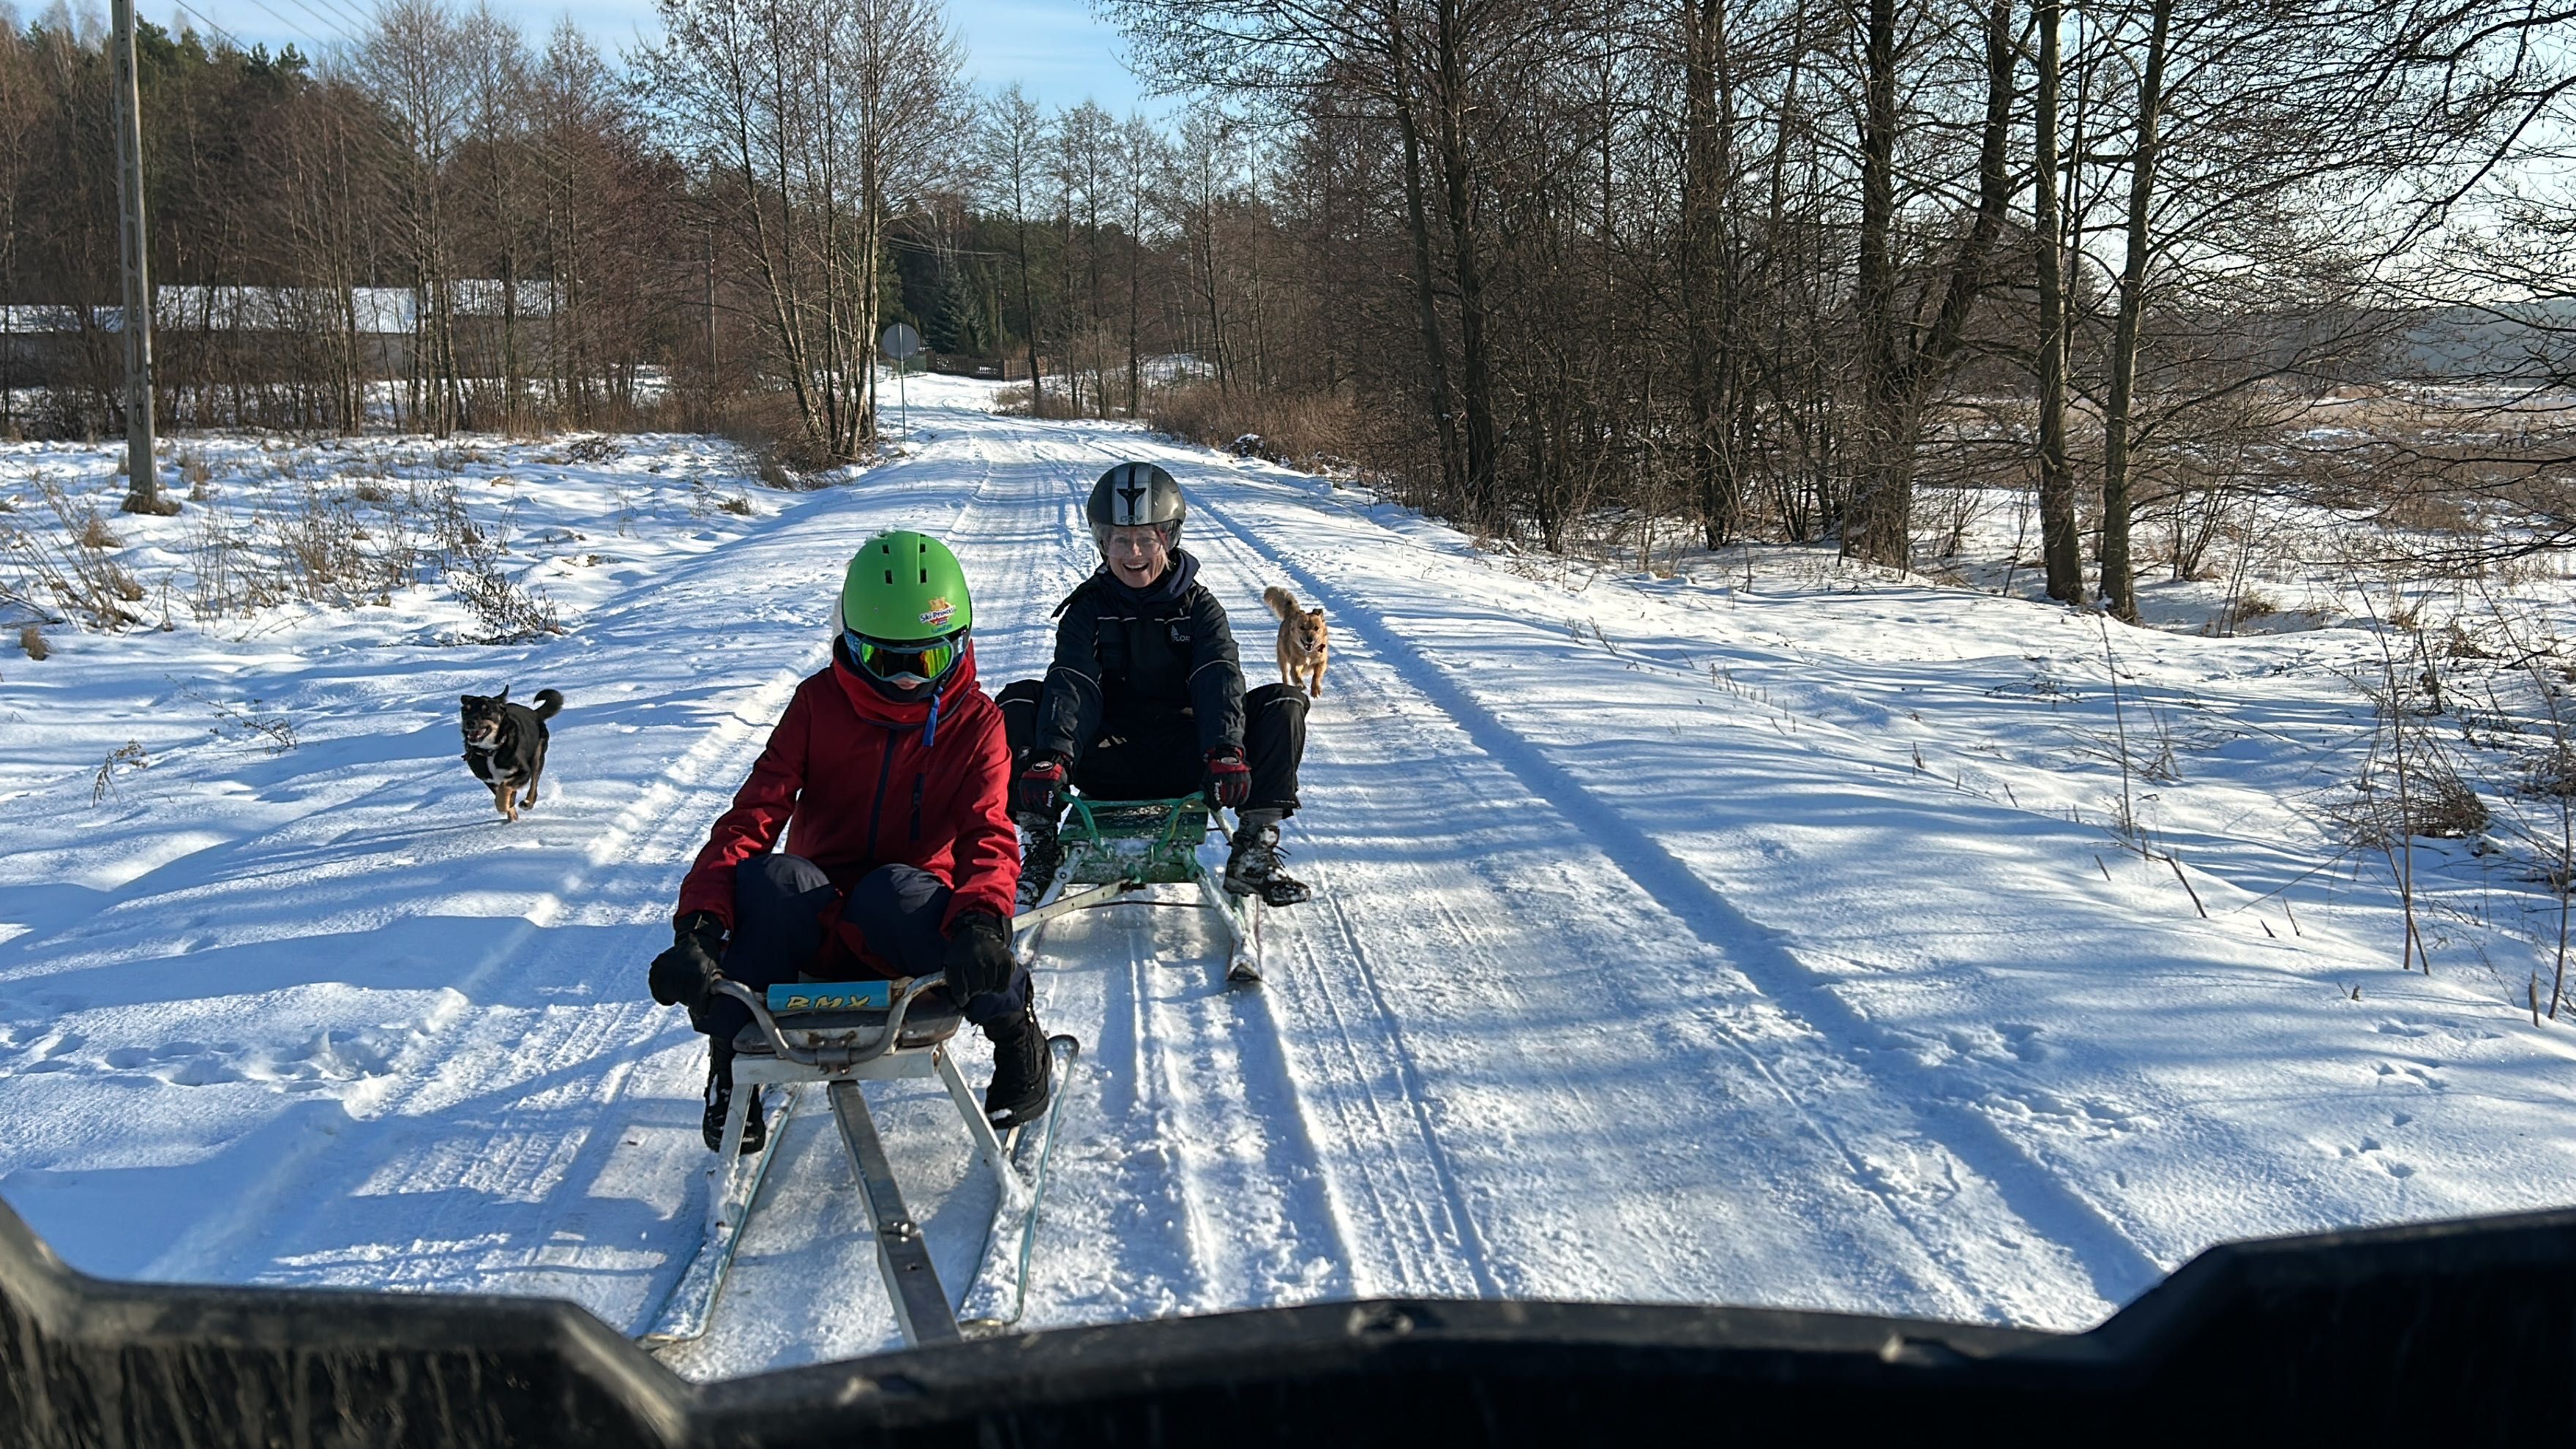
[{"x": 1145, "y": 699}]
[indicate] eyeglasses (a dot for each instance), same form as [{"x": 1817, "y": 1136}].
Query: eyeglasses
[{"x": 905, "y": 664}]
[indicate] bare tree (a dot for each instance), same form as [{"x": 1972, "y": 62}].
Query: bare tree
[{"x": 1013, "y": 145}]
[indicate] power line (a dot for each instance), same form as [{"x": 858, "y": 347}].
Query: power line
[
  {"x": 316, "y": 41},
  {"x": 328, "y": 23},
  {"x": 358, "y": 23},
  {"x": 226, "y": 36}
]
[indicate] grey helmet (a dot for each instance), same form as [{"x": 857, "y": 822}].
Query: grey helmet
[{"x": 1132, "y": 494}]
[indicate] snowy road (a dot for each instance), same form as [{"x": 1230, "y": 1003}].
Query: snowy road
[{"x": 1649, "y": 960}]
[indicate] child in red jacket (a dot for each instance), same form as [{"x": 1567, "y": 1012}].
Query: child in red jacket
[{"x": 889, "y": 777}]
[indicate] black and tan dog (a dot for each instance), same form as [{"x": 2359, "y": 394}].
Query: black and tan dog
[{"x": 505, "y": 745}]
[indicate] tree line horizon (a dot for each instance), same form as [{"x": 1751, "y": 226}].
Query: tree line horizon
[{"x": 1761, "y": 270}]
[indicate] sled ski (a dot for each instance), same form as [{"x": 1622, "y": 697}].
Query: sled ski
[
  {"x": 1000, "y": 1290},
  {"x": 684, "y": 1314},
  {"x": 841, "y": 1034},
  {"x": 1115, "y": 848}
]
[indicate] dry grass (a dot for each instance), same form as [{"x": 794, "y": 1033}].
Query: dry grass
[
  {"x": 1301, "y": 429},
  {"x": 70, "y": 565},
  {"x": 2439, "y": 805},
  {"x": 129, "y": 755},
  {"x": 2249, "y": 607},
  {"x": 1014, "y": 401},
  {"x": 704, "y": 500},
  {"x": 765, "y": 425},
  {"x": 31, "y": 637}
]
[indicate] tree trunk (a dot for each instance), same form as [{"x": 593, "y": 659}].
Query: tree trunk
[
  {"x": 2059, "y": 541},
  {"x": 1483, "y": 504},
  {"x": 1028, "y": 312},
  {"x": 1901, "y": 373},
  {"x": 1707, "y": 296},
  {"x": 1880, "y": 525},
  {"x": 1435, "y": 348},
  {"x": 1135, "y": 291},
  {"x": 2118, "y": 585}
]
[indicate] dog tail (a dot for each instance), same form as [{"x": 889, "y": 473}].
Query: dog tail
[
  {"x": 548, "y": 703},
  {"x": 1281, "y": 602}
]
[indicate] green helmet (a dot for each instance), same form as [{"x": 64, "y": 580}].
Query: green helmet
[
  {"x": 905, "y": 612},
  {"x": 905, "y": 586}
]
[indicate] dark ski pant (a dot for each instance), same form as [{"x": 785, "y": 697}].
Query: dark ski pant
[
  {"x": 1159, "y": 758},
  {"x": 779, "y": 905}
]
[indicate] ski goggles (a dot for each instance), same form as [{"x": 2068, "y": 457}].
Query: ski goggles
[{"x": 914, "y": 662}]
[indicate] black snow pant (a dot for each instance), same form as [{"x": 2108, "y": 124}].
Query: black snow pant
[
  {"x": 1159, "y": 758},
  {"x": 780, "y": 903}
]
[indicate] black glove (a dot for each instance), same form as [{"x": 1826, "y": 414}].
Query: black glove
[
  {"x": 1040, "y": 788},
  {"x": 687, "y": 973},
  {"x": 1229, "y": 781},
  {"x": 979, "y": 957}
]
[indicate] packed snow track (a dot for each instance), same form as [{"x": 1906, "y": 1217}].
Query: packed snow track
[{"x": 1625, "y": 978}]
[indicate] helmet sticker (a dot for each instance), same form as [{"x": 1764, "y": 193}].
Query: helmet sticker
[{"x": 938, "y": 613}]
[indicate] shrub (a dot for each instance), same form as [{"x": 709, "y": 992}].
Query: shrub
[
  {"x": 773, "y": 439},
  {"x": 2439, "y": 805},
  {"x": 1318, "y": 430}
]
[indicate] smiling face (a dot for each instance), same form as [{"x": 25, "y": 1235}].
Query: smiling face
[{"x": 1138, "y": 554}]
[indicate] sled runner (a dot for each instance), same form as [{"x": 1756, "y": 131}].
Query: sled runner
[
  {"x": 840, "y": 1034},
  {"x": 1115, "y": 848}
]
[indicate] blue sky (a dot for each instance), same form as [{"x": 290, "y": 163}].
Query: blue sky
[{"x": 1054, "y": 48}]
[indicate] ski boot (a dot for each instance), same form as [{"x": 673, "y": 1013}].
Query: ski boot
[
  {"x": 1041, "y": 855},
  {"x": 1022, "y": 1070},
  {"x": 1253, "y": 868},
  {"x": 719, "y": 1095}
]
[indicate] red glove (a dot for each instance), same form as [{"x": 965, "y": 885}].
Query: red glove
[
  {"x": 1040, "y": 788},
  {"x": 1229, "y": 781}
]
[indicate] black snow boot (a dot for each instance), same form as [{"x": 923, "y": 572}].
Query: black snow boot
[
  {"x": 1253, "y": 869},
  {"x": 755, "y": 1126},
  {"x": 1023, "y": 1071},
  {"x": 1041, "y": 855}
]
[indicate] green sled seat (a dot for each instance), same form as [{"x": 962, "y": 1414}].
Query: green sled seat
[{"x": 1114, "y": 849}]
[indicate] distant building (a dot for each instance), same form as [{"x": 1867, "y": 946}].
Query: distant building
[{"x": 43, "y": 345}]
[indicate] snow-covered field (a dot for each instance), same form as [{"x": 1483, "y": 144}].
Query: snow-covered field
[{"x": 1675, "y": 939}]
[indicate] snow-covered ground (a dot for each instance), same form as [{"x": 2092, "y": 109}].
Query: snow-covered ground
[{"x": 1675, "y": 939}]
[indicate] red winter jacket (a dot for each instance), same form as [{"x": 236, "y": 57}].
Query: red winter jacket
[{"x": 848, "y": 777}]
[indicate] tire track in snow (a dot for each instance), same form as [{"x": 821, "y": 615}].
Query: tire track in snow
[
  {"x": 1385, "y": 1180},
  {"x": 1216, "y": 1104},
  {"x": 2115, "y": 1265},
  {"x": 1596, "y": 1132}
]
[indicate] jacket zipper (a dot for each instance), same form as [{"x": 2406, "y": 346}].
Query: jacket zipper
[{"x": 917, "y": 782}]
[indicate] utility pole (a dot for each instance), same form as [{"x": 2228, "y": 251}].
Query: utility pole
[{"x": 142, "y": 473}]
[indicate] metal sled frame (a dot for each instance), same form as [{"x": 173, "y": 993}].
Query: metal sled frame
[
  {"x": 1116, "y": 848},
  {"x": 820, "y": 1039}
]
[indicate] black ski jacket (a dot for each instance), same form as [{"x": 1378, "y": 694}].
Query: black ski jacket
[{"x": 1134, "y": 663}]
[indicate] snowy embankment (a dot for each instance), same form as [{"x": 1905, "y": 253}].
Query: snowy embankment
[{"x": 1674, "y": 940}]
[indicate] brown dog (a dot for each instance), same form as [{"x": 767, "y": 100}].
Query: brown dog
[
  {"x": 1303, "y": 640},
  {"x": 505, "y": 745}
]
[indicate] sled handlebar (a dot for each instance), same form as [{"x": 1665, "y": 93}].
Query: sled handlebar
[{"x": 831, "y": 1057}]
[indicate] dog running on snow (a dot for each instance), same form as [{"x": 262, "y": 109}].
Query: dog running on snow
[
  {"x": 505, "y": 745},
  {"x": 1303, "y": 640}
]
